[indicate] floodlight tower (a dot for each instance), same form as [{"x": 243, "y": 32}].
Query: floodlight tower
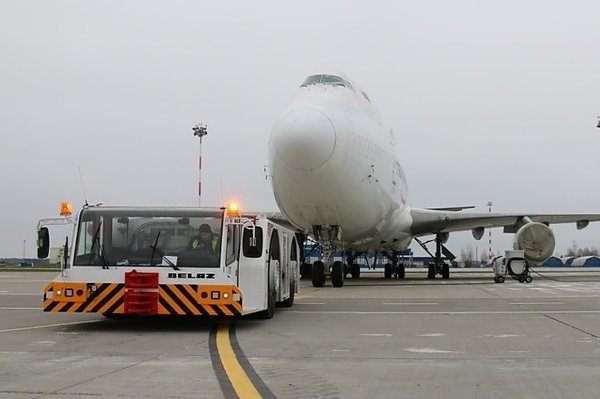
[
  {"x": 489, "y": 204},
  {"x": 200, "y": 131}
]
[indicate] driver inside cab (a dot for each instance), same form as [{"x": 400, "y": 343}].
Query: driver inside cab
[{"x": 207, "y": 242}]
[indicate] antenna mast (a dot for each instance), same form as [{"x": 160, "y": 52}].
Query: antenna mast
[
  {"x": 489, "y": 204},
  {"x": 200, "y": 131},
  {"x": 82, "y": 186}
]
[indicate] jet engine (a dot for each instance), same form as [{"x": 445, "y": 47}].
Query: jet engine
[{"x": 537, "y": 240}]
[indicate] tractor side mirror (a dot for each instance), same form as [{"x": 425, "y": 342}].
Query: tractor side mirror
[{"x": 43, "y": 243}]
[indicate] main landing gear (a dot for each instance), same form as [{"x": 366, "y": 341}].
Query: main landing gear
[
  {"x": 327, "y": 235},
  {"x": 395, "y": 269},
  {"x": 337, "y": 272},
  {"x": 438, "y": 266}
]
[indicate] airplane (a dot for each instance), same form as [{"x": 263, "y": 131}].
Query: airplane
[{"x": 336, "y": 177}]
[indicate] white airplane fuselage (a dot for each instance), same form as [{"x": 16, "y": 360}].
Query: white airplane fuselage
[{"x": 333, "y": 163}]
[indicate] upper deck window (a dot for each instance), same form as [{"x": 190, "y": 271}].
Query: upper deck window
[{"x": 331, "y": 80}]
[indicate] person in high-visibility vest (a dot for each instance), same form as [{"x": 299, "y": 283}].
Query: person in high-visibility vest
[{"x": 206, "y": 242}]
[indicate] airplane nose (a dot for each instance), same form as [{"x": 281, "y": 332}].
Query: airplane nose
[{"x": 304, "y": 138}]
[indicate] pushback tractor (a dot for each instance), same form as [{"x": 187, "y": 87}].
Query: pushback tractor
[{"x": 129, "y": 261}]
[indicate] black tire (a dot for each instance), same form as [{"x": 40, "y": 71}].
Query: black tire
[
  {"x": 270, "y": 310},
  {"x": 528, "y": 279},
  {"x": 288, "y": 303},
  {"x": 318, "y": 274},
  {"x": 401, "y": 271},
  {"x": 500, "y": 279},
  {"x": 355, "y": 269},
  {"x": 337, "y": 274},
  {"x": 445, "y": 271},
  {"x": 387, "y": 271},
  {"x": 431, "y": 271},
  {"x": 346, "y": 270}
]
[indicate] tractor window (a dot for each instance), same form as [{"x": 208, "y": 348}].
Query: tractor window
[
  {"x": 274, "y": 251},
  {"x": 252, "y": 251},
  {"x": 233, "y": 243},
  {"x": 294, "y": 251},
  {"x": 148, "y": 237}
]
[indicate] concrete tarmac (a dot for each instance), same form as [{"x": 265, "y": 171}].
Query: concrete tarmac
[{"x": 460, "y": 338}]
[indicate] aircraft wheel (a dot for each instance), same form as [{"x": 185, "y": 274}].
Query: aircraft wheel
[
  {"x": 500, "y": 279},
  {"x": 445, "y": 271},
  {"x": 387, "y": 271},
  {"x": 337, "y": 274},
  {"x": 401, "y": 271},
  {"x": 355, "y": 270},
  {"x": 318, "y": 274},
  {"x": 431, "y": 271},
  {"x": 528, "y": 279}
]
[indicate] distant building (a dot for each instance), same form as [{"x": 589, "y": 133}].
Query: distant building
[
  {"x": 586, "y": 261},
  {"x": 567, "y": 260},
  {"x": 56, "y": 255},
  {"x": 553, "y": 261}
]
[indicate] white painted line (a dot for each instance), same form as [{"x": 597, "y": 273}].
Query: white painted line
[
  {"x": 500, "y": 336},
  {"x": 411, "y": 303},
  {"x": 537, "y": 303},
  {"x": 432, "y": 335},
  {"x": 449, "y": 313},
  {"x": 376, "y": 335},
  {"x": 340, "y": 350},
  {"x": 428, "y": 350}
]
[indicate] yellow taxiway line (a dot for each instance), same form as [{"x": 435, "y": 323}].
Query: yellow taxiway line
[{"x": 240, "y": 381}]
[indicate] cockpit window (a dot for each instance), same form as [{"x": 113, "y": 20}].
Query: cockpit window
[
  {"x": 312, "y": 80},
  {"x": 331, "y": 80}
]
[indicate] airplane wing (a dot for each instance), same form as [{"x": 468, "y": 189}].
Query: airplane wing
[
  {"x": 426, "y": 221},
  {"x": 452, "y": 208}
]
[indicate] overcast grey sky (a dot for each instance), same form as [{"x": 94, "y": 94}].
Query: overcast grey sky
[{"x": 489, "y": 100}]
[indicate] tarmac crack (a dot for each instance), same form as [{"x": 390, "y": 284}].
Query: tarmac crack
[{"x": 571, "y": 326}]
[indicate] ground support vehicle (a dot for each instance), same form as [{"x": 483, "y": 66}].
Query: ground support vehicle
[
  {"x": 139, "y": 261},
  {"x": 513, "y": 263}
]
